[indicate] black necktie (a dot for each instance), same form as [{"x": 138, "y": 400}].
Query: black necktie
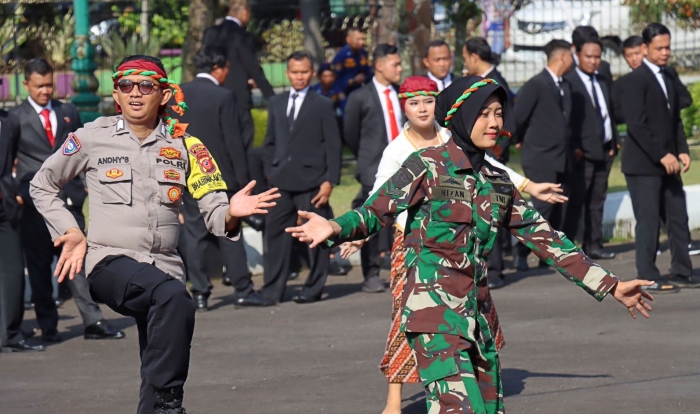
[
  {"x": 598, "y": 109},
  {"x": 290, "y": 116},
  {"x": 667, "y": 82},
  {"x": 560, "y": 95}
]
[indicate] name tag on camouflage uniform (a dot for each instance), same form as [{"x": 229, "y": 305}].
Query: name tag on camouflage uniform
[
  {"x": 451, "y": 188},
  {"x": 501, "y": 196}
]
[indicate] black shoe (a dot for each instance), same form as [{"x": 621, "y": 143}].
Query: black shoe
[
  {"x": 51, "y": 337},
  {"x": 254, "y": 299},
  {"x": 600, "y": 255},
  {"x": 28, "y": 306},
  {"x": 22, "y": 346},
  {"x": 694, "y": 248},
  {"x": 689, "y": 282},
  {"x": 226, "y": 281},
  {"x": 303, "y": 299},
  {"x": 59, "y": 302},
  {"x": 496, "y": 282},
  {"x": 373, "y": 285},
  {"x": 661, "y": 287},
  {"x": 336, "y": 269},
  {"x": 102, "y": 330},
  {"x": 169, "y": 401},
  {"x": 201, "y": 302},
  {"x": 293, "y": 276},
  {"x": 256, "y": 222},
  {"x": 522, "y": 265}
]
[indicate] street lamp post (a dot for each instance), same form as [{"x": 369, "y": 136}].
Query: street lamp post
[{"x": 84, "y": 83}]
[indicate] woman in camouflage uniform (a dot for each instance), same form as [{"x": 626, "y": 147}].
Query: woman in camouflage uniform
[{"x": 455, "y": 202}]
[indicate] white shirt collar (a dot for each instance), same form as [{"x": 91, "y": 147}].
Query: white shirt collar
[
  {"x": 233, "y": 19},
  {"x": 491, "y": 68},
  {"x": 442, "y": 83},
  {"x": 556, "y": 78},
  {"x": 381, "y": 88},
  {"x": 302, "y": 93},
  {"x": 38, "y": 108},
  {"x": 208, "y": 76},
  {"x": 575, "y": 56},
  {"x": 654, "y": 68},
  {"x": 584, "y": 75}
]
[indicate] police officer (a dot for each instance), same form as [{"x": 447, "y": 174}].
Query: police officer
[
  {"x": 137, "y": 166},
  {"x": 351, "y": 64},
  {"x": 328, "y": 87}
]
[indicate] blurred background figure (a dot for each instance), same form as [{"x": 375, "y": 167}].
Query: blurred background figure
[
  {"x": 351, "y": 64},
  {"x": 438, "y": 60}
]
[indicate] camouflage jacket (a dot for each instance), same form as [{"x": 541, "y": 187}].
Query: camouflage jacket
[{"x": 453, "y": 217}]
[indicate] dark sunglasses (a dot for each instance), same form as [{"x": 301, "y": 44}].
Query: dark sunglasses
[{"x": 145, "y": 87}]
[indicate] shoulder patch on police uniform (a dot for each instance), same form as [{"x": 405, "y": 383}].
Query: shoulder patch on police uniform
[
  {"x": 72, "y": 145},
  {"x": 120, "y": 125},
  {"x": 204, "y": 175}
]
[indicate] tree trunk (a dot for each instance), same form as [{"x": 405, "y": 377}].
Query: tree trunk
[
  {"x": 387, "y": 23},
  {"x": 201, "y": 16},
  {"x": 144, "y": 21},
  {"x": 311, "y": 19}
]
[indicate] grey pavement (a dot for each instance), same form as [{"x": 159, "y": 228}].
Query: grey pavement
[{"x": 565, "y": 353}]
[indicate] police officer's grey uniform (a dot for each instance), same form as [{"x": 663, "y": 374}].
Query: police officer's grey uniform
[{"x": 134, "y": 191}]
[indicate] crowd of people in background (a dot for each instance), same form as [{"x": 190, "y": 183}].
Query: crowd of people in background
[{"x": 564, "y": 122}]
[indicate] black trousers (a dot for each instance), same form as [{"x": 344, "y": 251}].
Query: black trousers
[
  {"x": 233, "y": 254},
  {"x": 164, "y": 313},
  {"x": 247, "y": 128},
  {"x": 39, "y": 253},
  {"x": 370, "y": 254},
  {"x": 651, "y": 197},
  {"x": 555, "y": 214},
  {"x": 596, "y": 176},
  {"x": 11, "y": 283},
  {"x": 278, "y": 247}
]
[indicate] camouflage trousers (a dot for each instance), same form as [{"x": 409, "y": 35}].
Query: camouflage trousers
[{"x": 459, "y": 376}]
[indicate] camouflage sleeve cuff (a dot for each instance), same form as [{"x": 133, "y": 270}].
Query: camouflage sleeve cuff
[{"x": 348, "y": 226}]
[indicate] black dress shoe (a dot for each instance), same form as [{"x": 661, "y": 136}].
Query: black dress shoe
[
  {"x": 336, "y": 269},
  {"x": 373, "y": 285},
  {"x": 293, "y": 276},
  {"x": 522, "y": 264},
  {"x": 51, "y": 337},
  {"x": 661, "y": 287},
  {"x": 22, "y": 346},
  {"x": 102, "y": 330},
  {"x": 303, "y": 299},
  {"x": 59, "y": 302},
  {"x": 254, "y": 300},
  {"x": 685, "y": 282},
  {"x": 496, "y": 282},
  {"x": 256, "y": 222},
  {"x": 226, "y": 281},
  {"x": 201, "y": 302},
  {"x": 600, "y": 255}
]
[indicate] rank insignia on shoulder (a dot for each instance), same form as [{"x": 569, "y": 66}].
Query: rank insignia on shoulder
[
  {"x": 120, "y": 125},
  {"x": 171, "y": 175},
  {"x": 174, "y": 194},
  {"x": 162, "y": 129},
  {"x": 114, "y": 173},
  {"x": 170, "y": 153},
  {"x": 72, "y": 145}
]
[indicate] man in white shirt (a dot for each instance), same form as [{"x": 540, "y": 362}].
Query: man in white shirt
[
  {"x": 44, "y": 126},
  {"x": 438, "y": 60},
  {"x": 594, "y": 131},
  {"x": 373, "y": 119}
]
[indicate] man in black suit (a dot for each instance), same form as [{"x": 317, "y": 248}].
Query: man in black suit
[
  {"x": 373, "y": 118},
  {"x": 654, "y": 155},
  {"x": 542, "y": 125},
  {"x": 438, "y": 60},
  {"x": 593, "y": 127},
  {"x": 578, "y": 37},
  {"x": 210, "y": 119},
  {"x": 303, "y": 148},
  {"x": 44, "y": 125},
  {"x": 245, "y": 71},
  {"x": 11, "y": 263}
]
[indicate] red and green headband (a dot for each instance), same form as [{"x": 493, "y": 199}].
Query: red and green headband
[{"x": 146, "y": 68}]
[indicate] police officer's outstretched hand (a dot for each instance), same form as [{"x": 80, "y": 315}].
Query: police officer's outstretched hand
[
  {"x": 72, "y": 254},
  {"x": 243, "y": 204},
  {"x": 633, "y": 296}
]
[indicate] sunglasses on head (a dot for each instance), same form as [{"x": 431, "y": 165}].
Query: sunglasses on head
[{"x": 146, "y": 87}]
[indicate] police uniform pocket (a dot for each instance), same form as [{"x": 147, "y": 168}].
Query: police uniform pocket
[
  {"x": 115, "y": 180},
  {"x": 172, "y": 182}
]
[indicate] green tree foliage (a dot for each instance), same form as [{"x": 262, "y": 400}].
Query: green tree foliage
[
  {"x": 691, "y": 114},
  {"x": 168, "y": 21}
]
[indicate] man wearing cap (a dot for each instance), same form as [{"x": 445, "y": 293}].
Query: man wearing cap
[{"x": 137, "y": 166}]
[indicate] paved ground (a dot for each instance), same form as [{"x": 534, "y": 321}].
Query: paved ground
[{"x": 565, "y": 354}]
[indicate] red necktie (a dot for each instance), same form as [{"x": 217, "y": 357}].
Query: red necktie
[
  {"x": 392, "y": 118},
  {"x": 46, "y": 114}
]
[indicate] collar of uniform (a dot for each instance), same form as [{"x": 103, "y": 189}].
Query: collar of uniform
[
  {"x": 459, "y": 159},
  {"x": 233, "y": 19},
  {"x": 122, "y": 127}
]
